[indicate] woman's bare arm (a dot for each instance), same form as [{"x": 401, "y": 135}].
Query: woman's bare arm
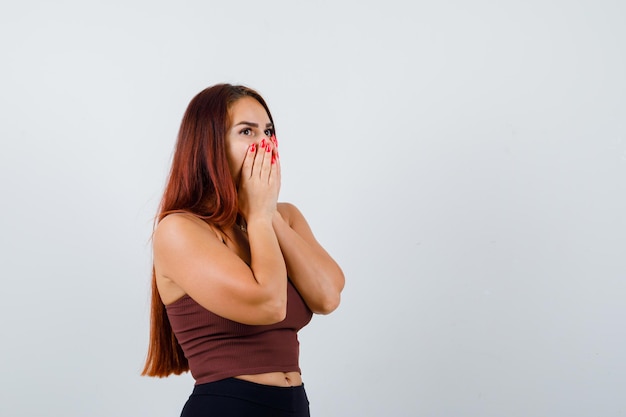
[
  {"x": 313, "y": 271},
  {"x": 189, "y": 254}
]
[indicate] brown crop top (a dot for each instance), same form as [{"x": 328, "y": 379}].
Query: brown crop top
[{"x": 218, "y": 348}]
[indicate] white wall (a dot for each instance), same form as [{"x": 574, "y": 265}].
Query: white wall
[{"x": 464, "y": 161}]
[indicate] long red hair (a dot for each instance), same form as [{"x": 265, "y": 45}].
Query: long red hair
[{"x": 199, "y": 183}]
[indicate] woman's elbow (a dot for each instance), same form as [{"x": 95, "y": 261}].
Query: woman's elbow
[
  {"x": 332, "y": 298},
  {"x": 268, "y": 316},
  {"x": 272, "y": 309},
  {"x": 328, "y": 304}
]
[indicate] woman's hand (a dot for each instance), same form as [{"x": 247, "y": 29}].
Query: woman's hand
[{"x": 259, "y": 182}]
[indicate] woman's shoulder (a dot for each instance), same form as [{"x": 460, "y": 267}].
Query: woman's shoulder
[
  {"x": 176, "y": 221},
  {"x": 287, "y": 207},
  {"x": 179, "y": 225},
  {"x": 288, "y": 210}
]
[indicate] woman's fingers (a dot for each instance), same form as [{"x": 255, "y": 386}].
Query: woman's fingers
[
  {"x": 260, "y": 179},
  {"x": 264, "y": 160},
  {"x": 276, "y": 164},
  {"x": 248, "y": 162}
]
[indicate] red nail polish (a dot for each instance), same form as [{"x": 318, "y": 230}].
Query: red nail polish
[
  {"x": 253, "y": 147},
  {"x": 268, "y": 148},
  {"x": 263, "y": 143},
  {"x": 274, "y": 140},
  {"x": 273, "y": 159}
]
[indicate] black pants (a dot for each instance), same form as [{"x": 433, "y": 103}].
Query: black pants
[{"x": 237, "y": 398}]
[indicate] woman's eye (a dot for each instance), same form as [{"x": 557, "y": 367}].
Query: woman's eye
[
  {"x": 246, "y": 131},
  {"x": 269, "y": 132}
]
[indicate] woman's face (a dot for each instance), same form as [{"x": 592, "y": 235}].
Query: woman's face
[{"x": 249, "y": 124}]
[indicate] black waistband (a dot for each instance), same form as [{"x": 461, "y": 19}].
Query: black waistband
[{"x": 287, "y": 398}]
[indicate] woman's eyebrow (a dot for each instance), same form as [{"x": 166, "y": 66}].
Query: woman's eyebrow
[{"x": 252, "y": 124}]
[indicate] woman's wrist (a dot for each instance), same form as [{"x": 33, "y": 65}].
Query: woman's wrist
[
  {"x": 259, "y": 221},
  {"x": 278, "y": 220}
]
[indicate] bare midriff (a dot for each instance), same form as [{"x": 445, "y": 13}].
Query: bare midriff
[{"x": 277, "y": 379}]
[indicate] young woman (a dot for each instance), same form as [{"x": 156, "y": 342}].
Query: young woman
[{"x": 236, "y": 274}]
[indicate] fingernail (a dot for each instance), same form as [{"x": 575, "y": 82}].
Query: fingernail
[
  {"x": 274, "y": 140},
  {"x": 263, "y": 143},
  {"x": 268, "y": 148},
  {"x": 253, "y": 147},
  {"x": 273, "y": 159}
]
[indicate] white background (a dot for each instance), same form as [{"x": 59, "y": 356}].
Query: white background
[{"x": 464, "y": 162}]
